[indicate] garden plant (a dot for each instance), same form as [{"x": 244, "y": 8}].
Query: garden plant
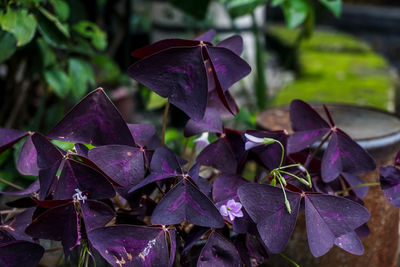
[{"x": 121, "y": 194}]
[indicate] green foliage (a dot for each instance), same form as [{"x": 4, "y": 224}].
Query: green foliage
[
  {"x": 20, "y": 23},
  {"x": 90, "y": 30},
  {"x": 56, "y": 38},
  {"x": 8, "y": 45},
  {"x": 197, "y": 9},
  {"x": 335, "y": 6},
  {"x": 59, "y": 81},
  {"x": 81, "y": 75},
  {"x": 239, "y": 8}
]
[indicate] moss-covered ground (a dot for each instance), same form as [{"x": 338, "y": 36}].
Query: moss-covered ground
[{"x": 336, "y": 67}]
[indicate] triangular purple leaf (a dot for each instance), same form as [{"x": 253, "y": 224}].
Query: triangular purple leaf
[
  {"x": 142, "y": 133},
  {"x": 76, "y": 175},
  {"x": 329, "y": 217},
  {"x": 9, "y": 137},
  {"x": 344, "y": 155},
  {"x": 95, "y": 214},
  {"x": 124, "y": 164},
  {"x": 94, "y": 120},
  {"x": 180, "y": 77},
  {"x": 350, "y": 242},
  {"x": 265, "y": 205},
  {"x": 229, "y": 67},
  {"x": 218, "y": 252},
  {"x": 207, "y": 36},
  {"x": 20, "y": 254},
  {"x": 60, "y": 223},
  {"x": 27, "y": 159},
  {"x": 233, "y": 43},
  {"x": 129, "y": 245},
  {"x": 390, "y": 184},
  {"x": 185, "y": 202},
  {"x": 307, "y": 124},
  {"x": 353, "y": 180},
  {"x": 211, "y": 123}
]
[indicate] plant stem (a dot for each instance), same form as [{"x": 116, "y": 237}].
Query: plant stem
[
  {"x": 318, "y": 148},
  {"x": 11, "y": 184},
  {"x": 164, "y": 123},
  {"x": 289, "y": 259},
  {"x": 11, "y": 211},
  {"x": 191, "y": 158},
  {"x": 185, "y": 147},
  {"x": 357, "y": 186}
]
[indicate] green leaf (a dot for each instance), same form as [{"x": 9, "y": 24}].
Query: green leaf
[
  {"x": 58, "y": 81},
  {"x": 63, "y": 28},
  {"x": 239, "y": 8},
  {"x": 49, "y": 30},
  {"x": 63, "y": 145},
  {"x": 93, "y": 32},
  {"x": 275, "y": 3},
  {"x": 109, "y": 70},
  {"x": 196, "y": 9},
  {"x": 295, "y": 12},
  {"x": 335, "y": 6},
  {"x": 61, "y": 8},
  {"x": 81, "y": 76},
  {"x": 6, "y": 175},
  {"x": 8, "y": 45},
  {"x": 155, "y": 101},
  {"x": 19, "y": 23},
  {"x": 47, "y": 55}
]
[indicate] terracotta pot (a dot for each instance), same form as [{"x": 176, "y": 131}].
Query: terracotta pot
[{"x": 379, "y": 133}]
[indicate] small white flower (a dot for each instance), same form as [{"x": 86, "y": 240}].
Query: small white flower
[
  {"x": 79, "y": 196},
  {"x": 201, "y": 142},
  {"x": 254, "y": 141}
]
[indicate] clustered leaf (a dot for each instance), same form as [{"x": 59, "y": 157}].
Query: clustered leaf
[{"x": 115, "y": 190}]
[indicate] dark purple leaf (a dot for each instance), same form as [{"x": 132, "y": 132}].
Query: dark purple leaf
[
  {"x": 60, "y": 223},
  {"x": 47, "y": 178},
  {"x": 215, "y": 102},
  {"x": 8, "y": 137},
  {"x": 307, "y": 124},
  {"x": 219, "y": 155},
  {"x": 164, "y": 164},
  {"x": 129, "y": 245},
  {"x": 20, "y": 254},
  {"x": 329, "y": 217},
  {"x": 48, "y": 154},
  {"x": 142, "y": 133},
  {"x": 81, "y": 149},
  {"x": 94, "y": 120},
  {"x": 17, "y": 225},
  {"x": 229, "y": 67},
  {"x": 95, "y": 214},
  {"x": 343, "y": 155},
  {"x": 233, "y": 43},
  {"x": 172, "y": 239},
  {"x": 251, "y": 250},
  {"x": 32, "y": 188},
  {"x": 162, "y": 45},
  {"x": 124, "y": 164},
  {"x": 265, "y": 205},
  {"x": 225, "y": 187},
  {"x": 193, "y": 237},
  {"x": 350, "y": 242},
  {"x": 180, "y": 77},
  {"x": 185, "y": 202},
  {"x": 207, "y": 36},
  {"x": 76, "y": 175},
  {"x": 390, "y": 184},
  {"x": 211, "y": 123},
  {"x": 218, "y": 252},
  {"x": 27, "y": 159}
]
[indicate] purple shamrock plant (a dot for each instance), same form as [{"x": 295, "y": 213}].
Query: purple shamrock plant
[{"x": 121, "y": 194}]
